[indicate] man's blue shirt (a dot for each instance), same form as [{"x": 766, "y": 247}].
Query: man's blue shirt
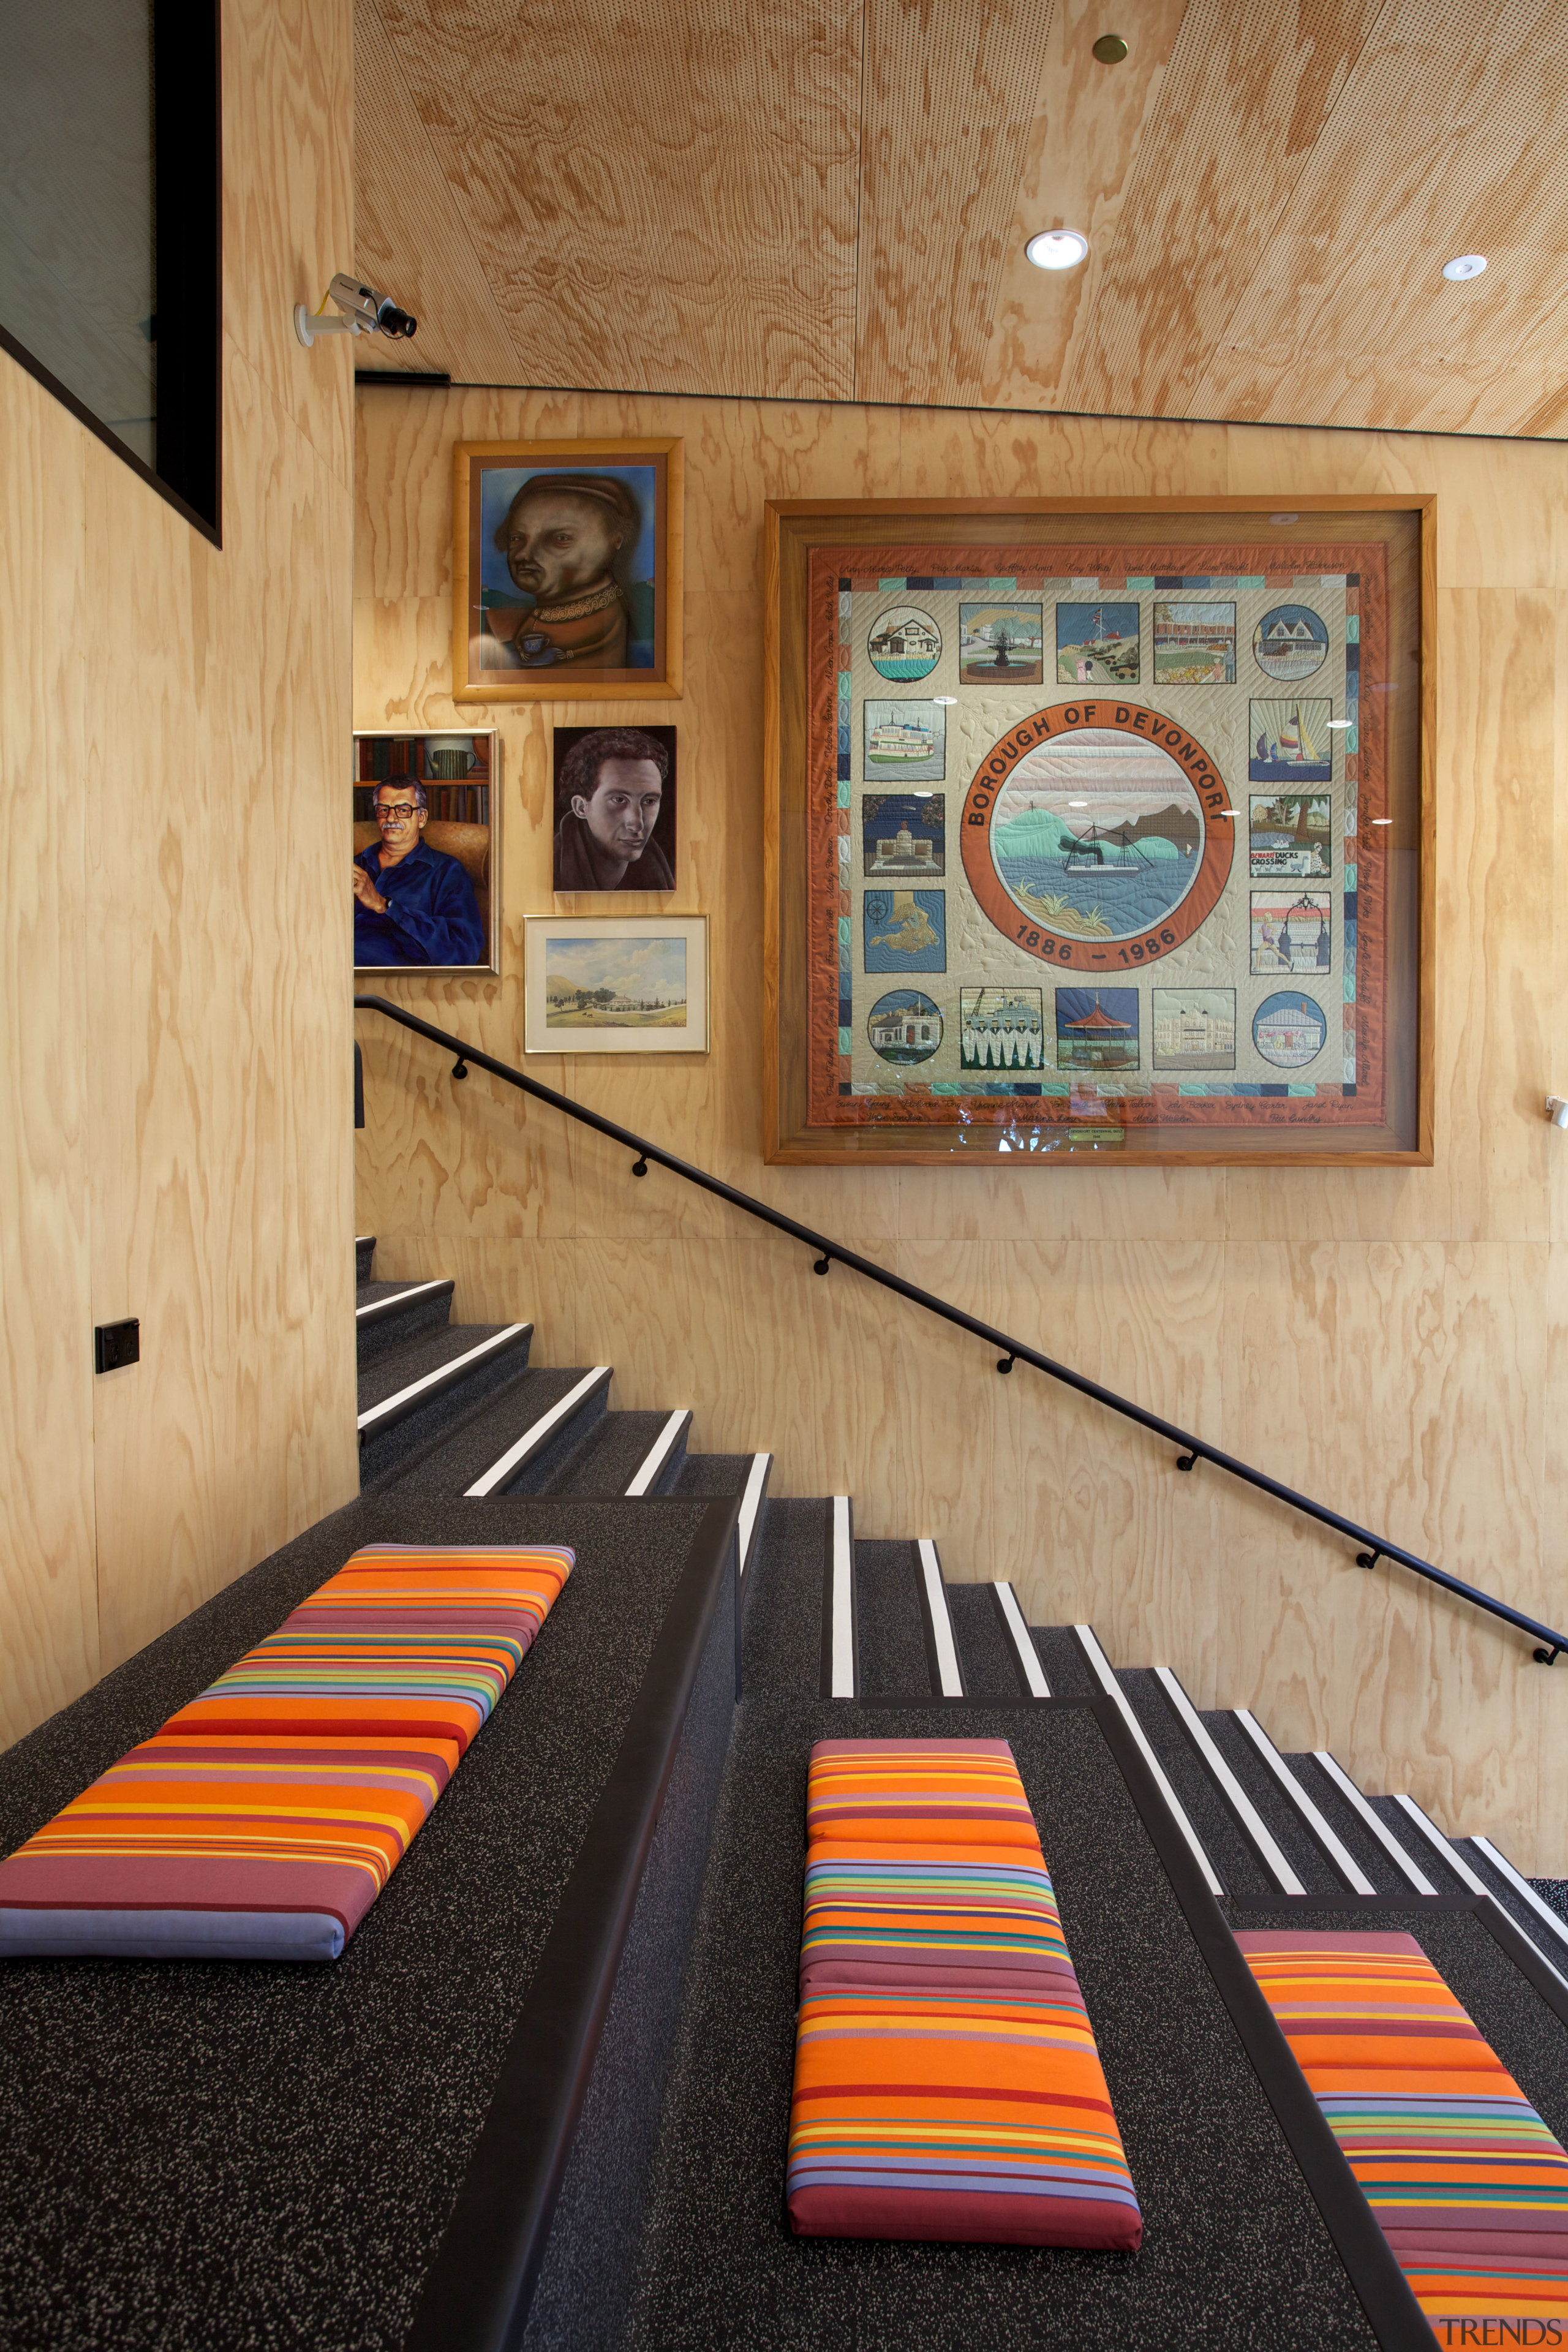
[{"x": 432, "y": 915}]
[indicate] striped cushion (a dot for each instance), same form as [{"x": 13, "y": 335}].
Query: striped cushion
[
  {"x": 399, "y": 1642},
  {"x": 947, "y": 2084},
  {"x": 882, "y": 1914},
  {"x": 263, "y": 1819},
  {"x": 1470, "y": 2186},
  {"x": 955, "y": 2116},
  {"x": 957, "y": 1791}
]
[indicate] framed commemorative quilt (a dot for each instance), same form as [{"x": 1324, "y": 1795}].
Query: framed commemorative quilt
[{"x": 1100, "y": 829}]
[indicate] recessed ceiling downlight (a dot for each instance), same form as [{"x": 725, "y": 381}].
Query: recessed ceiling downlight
[
  {"x": 1058, "y": 249},
  {"x": 1463, "y": 266}
]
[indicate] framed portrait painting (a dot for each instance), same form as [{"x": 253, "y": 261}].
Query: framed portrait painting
[
  {"x": 427, "y": 863},
  {"x": 1100, "y": 830},
  {"x": 566, "y": 569},
  {"x": 615, "y": 809},
  {"x": 615, "y": 984}
]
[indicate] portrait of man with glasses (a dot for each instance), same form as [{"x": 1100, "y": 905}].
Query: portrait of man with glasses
[{"x": 412, "y": 903}]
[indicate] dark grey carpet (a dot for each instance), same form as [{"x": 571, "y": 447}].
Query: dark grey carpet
[
  {"x": 782, "y": 1647},
  {"x": 364, "y": 1256},
  {"x": 1061, "y": 1655},
  {"x": 386, "y": 1453},
  {"x": 609, "y": 1458},
  {"x": 985, "y": 1654},
  {"x": 1420, "y": 1849},
  {"x": 426, "y": 1352},
  {"x": 1207, "y": 1811},
  {"x": 1300, "y": 1848},
  {"x": 891, "y": 1623},
  {"x": 465, "y": 1447},
  {"x": 1384, "y": 1874},
  {"x": 264, "y": 2155},
  {"x": 428, "y": 1312},
  {"x": 1235, "y": 2252},
  {"x": 714, "y": 1473}
]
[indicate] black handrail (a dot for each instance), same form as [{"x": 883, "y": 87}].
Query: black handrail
[{"x": 829, "y": 1253}]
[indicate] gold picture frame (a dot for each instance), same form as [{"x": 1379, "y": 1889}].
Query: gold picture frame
[
  {"x": 951, "y": 976},
  {"x": 567, "y": 570}
]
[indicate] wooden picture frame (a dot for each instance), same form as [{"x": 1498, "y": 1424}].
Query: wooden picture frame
[
  {"x": 457, "y": 769},
  {"x": 1124, "y": 729},
  {"x": 567, "y": 568},
  {"x": 620, "y": 984}
]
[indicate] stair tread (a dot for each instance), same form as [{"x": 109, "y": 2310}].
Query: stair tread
[
  {"x": 714, "y": 1474},
  {"x": 463, "y": 1452},
  {"x": 1278, "y": 1815},
  {"x": 782, "y": 1647},
  {"x": 411, "y": 1358},
  {"x": 610, "y": 1455},
  {"x": 985, "y": 1658},
  {"x": 889, "y": 1622},
  {"x": 1067, "y": 1669},
  {"x": 1218, "y": 1828},
  {"x": 1384, "y": 1873}
]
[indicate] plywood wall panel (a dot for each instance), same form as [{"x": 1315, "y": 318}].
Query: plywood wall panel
[
  {"x": 48, "y": 1602},
  {"x": 172, "y": 726},
  {"x": 218, "y": 934},
  {"x": 1385, "y": 1338}
]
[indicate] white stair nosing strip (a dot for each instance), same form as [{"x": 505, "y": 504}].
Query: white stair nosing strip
[
  {"x": 841, "y": 1679},
  {"x": 950, "y": 1681},
  {"x": 1338, "y": 1854},
  {"x": 375, "y": 1412},
  {"x": 660, "y": 1452},
  {"x": 1456, "y": 1862},
  {"x": 751, "y": 1506},
  {"x": 398, "y": 1298},
  {"x": 1372, "y": 1822},
  {"x": 1241, "y": 1804},
  {"x": 1521, "y": 1888},
  {"x": 1434, "y": 1836},
  {"x": 1100, "y": 1667},
  {"x": 534, "y": 1436},
  {"x": 360, "y": 1239},
  {"x": 1028, "y": 1656}
]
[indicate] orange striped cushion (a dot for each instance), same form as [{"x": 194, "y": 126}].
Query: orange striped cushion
[
  {"x": 266, "y": 1816},
  {"x": 958, "y": 1792},
  {"x": 1468, "y": 2186}
]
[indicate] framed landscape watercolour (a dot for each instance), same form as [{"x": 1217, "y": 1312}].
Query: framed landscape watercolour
[
  {"x": 427, "y": 850},
  {"x": 566, "y": 569},
  {"x": 615, "y": 984},
  {"x": 1100, "y": 829}
]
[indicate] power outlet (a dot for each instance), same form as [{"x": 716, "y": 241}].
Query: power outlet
[{"x": 114, "y": 1344}]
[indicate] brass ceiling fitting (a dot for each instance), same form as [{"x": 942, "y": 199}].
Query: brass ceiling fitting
[{"x": 1111, "y": 49}]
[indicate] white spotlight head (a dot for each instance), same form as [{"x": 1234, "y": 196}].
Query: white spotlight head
[
  {"x": 1557, "y": 1110},
  {"x": 1058, "y": 249},
  {"x": 1463, "y": 266}
]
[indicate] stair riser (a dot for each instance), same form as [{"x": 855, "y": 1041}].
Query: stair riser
[
  {"x": 364, "y": 1258},
  {"x": 536, "y": 1474},
  {"x": 386, "y": 1452},
  {"x": 430, "y": 1313}
]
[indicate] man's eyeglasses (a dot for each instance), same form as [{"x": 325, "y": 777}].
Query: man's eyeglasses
[{"x": 394, "y": 810}]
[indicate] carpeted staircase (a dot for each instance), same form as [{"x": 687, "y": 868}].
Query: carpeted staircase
[{"x": 543, "y": 2097}]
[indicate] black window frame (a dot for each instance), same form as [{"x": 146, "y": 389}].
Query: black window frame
[{"x": 187, "y": 92}]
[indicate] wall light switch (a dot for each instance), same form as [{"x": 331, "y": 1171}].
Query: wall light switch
[{"x": 114, "y": 1344}]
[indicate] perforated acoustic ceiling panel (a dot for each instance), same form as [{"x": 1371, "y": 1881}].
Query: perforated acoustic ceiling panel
[{"x": 765, "y": 197}]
